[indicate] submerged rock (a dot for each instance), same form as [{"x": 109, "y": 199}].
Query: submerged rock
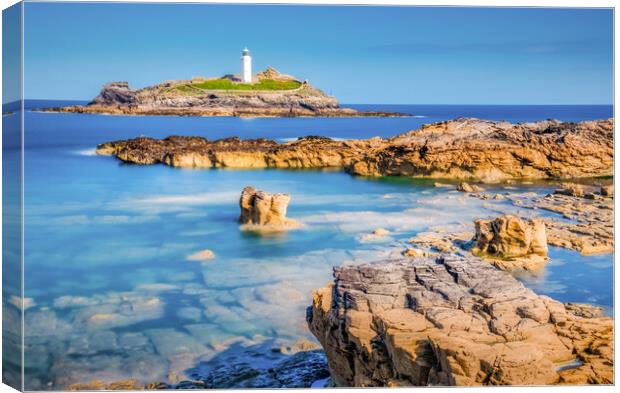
[
  {"x": 203, "y": 255},
  {"x": 452, "y": 321},
  {"x": 298, "y": 370},
  {"x": 380, "y": 232},
  {"x": 260, "y": 209}
]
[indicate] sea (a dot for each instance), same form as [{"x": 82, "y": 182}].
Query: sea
[{"x": 113, "y": 293}]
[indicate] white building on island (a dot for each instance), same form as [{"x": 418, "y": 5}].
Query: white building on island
[{"x": 246, "y": 66}]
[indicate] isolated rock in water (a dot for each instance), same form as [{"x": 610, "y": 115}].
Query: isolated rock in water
[
  {"x": 452, "y": 321},
  {"x": 201, "y": 255},
  {"x": 438, "y": 184},
  {"x": 571, "y": 189},
  {"x": 196, "y": 98},
  {"x": 261, "y": 209},
  {"x": 466, "y": 187},
  {"x": 380, "y": 232},
  {"x": 508, "y": 238},
  {"x": 607, "y": 190}
]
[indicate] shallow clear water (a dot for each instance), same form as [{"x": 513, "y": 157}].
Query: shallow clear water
[{"x": 114, "y": 295}]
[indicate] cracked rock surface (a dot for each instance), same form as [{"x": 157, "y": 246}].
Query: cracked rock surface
[{"x": 453, "y": 320}]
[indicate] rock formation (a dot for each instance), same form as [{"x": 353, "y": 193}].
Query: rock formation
[
  {"x": 466, "y": 187},
  {"x": 261, "y": 210},
  {"x": 462, "y": 149},
  {"x": 188, "y": 98},
  {"x": 571, "y": 189},
  {"x": 511, "y": 242},
  {"x": 452, "y": 321},
  {"x": 607, "y": 190},
  {"x": 586, "y": 225},
  {"x": 493, "y": 151}
]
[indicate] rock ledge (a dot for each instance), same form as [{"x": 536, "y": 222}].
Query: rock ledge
[{"x": 452, "y": 321}]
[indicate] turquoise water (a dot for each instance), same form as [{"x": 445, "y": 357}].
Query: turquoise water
[{"x": 113, "y": 294}]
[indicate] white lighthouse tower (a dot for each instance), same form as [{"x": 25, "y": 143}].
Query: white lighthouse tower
[{"x": 246, "y": 66}]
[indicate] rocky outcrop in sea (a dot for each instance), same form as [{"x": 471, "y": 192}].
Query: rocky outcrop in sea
[
  {"x": 511, "y": 242},
  {"x": 263, "y": 211},
  {"x": 453, "y": 320},
  {"x": 488, "y": 151},
  {"x": 187, "y": 98}
]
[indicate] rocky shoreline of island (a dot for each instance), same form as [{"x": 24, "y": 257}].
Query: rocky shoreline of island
[
  {"x": 248, "y": 112},
  {"x": 221, "y": 97}
]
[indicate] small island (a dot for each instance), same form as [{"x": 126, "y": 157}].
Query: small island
[{"x": 268, "y": 93}]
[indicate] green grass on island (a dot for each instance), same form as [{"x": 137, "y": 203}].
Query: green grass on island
[{"x": 226, "y": 84}]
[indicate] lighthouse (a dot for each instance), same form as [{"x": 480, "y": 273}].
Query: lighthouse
[{"x": 246, "y": 66}]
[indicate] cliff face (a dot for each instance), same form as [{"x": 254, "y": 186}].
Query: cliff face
[
  {"x": 186, "y": 98},
  {"x": 461, "y": 148},
  {"x": 453, "y": 321}
]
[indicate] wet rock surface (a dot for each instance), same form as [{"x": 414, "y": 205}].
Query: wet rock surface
[
  {"x": 453, "y": 320},
  {"x": 461, "y": 149},
  {"x": 298, "y": 370}
]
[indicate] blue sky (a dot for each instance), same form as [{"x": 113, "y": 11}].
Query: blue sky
[{"x": 386, "y": 55}]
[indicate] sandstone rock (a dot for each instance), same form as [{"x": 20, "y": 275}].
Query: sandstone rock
[
  {"x": 380, "y": 232},
  {"x": 302, "y": 345},
  {"x": 498, "y": 197},
  {"x": 203, "y": 255},
  {"x": 438, "y": 184},
  {"x": 466, "y": 187},
  {"x": 584, "y": 310},
  {"x": 571, "y": 189},
  {"x": 587, "y": 225},
  {"x": 452, "y": 321},
  {"x": 129, "y": 384},
  {"x": 414, "y": 253},
  {"x": 460, "y": 149},
  {"x": 495, "y": 151},
  {"x": 511, "y": 242},
  {"x": 607, "y": 190},
  {"x": 260, "y": 209},
  {"x": 434, "y": 242}
]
